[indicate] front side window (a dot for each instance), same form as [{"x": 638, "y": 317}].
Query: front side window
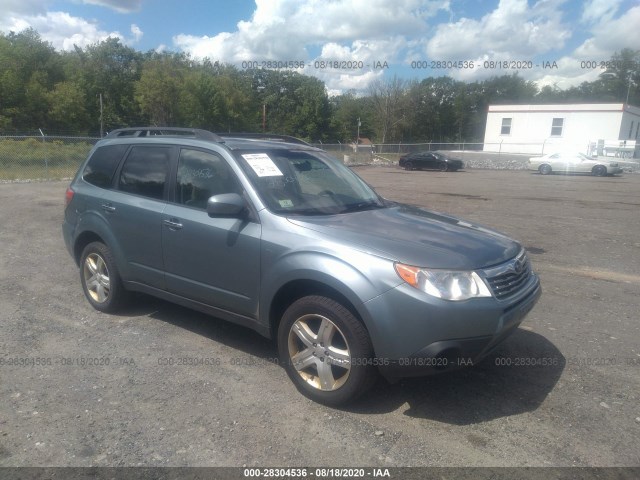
[
  {"x": 556, "y": 127},
  {"x": 505, "y": 129},
  {"x": 102, "y": 165},
  {"x": 145, "y": 171},
  {"x": 202, "y": 175},
  {"x": 306, "y": 182}
]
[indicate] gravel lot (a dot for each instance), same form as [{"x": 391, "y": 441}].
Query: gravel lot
[{"x": 160, "y": 385}]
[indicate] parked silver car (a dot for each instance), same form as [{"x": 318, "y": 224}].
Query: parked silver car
[
  {"x": 282, "y": 238},
  {"x": 573, "y": 163}
]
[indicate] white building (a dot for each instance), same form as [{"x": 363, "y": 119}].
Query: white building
[{"x": 541, "y": 129}]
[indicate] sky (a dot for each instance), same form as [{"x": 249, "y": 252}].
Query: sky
[{"x": 350, "y": 43}]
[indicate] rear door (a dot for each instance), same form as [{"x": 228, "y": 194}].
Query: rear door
[
  {"x": 215, "y": 261},
  {"x": 133, "y": 210}
]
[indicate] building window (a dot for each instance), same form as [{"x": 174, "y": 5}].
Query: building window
[
  {"x": 556, "y": 127},
  {"x": 631, "y": 129},
  {"x": 505, "y": 129},
  {"x": 637, "y": 128}
]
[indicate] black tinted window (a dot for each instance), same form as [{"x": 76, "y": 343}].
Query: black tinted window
[
  {"x": 145, "y": 171},
  {"x": 102, "y": 165},
  {"x": 202, "y": 175}
]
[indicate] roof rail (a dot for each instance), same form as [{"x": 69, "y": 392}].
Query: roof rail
[
  {"x": 165, "y": 131},
  {"x": 264, "y": 136}
]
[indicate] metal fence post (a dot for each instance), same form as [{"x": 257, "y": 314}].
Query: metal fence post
[{"x": 46, "y": 160}]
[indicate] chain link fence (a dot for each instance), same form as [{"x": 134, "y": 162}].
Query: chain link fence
[
  {"x": 43, "y": 157},
  {"x": 50, "y": 157}
]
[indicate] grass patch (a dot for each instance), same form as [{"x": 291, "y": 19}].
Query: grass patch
[{"x": 30, "y": 159}]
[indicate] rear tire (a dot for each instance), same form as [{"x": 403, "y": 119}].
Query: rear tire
[
  {"x": 326, "y": 351},
  {"x": 443, "y": 167},
  {"x": 100, "y": 278},
  {"x": 544, "y": 169},
  {"x": 408, "y": 166}
]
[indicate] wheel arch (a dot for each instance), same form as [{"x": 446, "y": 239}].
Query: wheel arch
[
  {"x": 84, "y": 239},
  {"x": 296, "y": 289}
]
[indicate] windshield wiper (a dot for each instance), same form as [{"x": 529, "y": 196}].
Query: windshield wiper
[{"x": 357, "y": 207}]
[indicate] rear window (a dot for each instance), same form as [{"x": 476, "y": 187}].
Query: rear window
[{"x": 102, "y": 165}]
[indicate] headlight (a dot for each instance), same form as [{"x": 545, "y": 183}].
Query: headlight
[{"x": 448, "y": 285}]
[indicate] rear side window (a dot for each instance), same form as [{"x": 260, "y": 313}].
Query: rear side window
[
  {"x": 145, "y": 171},
  {"x": 102, "y": 165}
]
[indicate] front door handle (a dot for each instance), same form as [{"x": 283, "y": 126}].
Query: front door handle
[
  {"x": 173, "y": 224},
  {"x": 107, "y": 207}
]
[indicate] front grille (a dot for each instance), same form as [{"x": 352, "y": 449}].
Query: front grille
[{"x": 507, "y": 279}]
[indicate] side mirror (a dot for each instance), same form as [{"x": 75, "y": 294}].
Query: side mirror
[{"x": 225, "y": 205}]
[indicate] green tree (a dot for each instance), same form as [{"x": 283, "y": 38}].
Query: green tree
[
  {"x": 158, "y": 91},
  {"x": 67, "y": 109},
  {"x": 111, "y": 70},
  {"x": 30, "y": 67}
]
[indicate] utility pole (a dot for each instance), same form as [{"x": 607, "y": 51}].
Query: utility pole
[
  {"x": 264, "y": 117},
  {"x": 101, "y": 117}
]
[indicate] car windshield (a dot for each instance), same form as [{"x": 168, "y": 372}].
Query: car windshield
[{"x": 306, "y": 182}]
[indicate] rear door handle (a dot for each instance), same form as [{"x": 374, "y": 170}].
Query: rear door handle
[
  {"x": 173, "y": 224},
  {"x": 107, "y": 207}
]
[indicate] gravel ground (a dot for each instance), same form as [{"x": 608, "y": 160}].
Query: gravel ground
[{"x": 160, "y": 385}]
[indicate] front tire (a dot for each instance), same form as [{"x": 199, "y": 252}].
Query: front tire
[
  {"x": 408, "y": 166},
  {"x": 443, "y": 167},
  {"x": 100, "y": 278},
  {"x": 326, "y": 351},
  {"x": 599, "y": 171}
]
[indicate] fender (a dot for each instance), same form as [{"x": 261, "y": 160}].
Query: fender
[
  {"x": 362, "y": 278},
  {"x": 92, "y": 222}
]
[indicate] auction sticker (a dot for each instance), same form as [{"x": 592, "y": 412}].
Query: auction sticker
[{"x": 262, "y": 165}]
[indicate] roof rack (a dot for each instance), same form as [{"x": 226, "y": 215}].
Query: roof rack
[
  {"x": 166, "y": 132},
  {"x": 264, "y": 136}
]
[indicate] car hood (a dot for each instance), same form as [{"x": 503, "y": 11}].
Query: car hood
[{"x": 416, "y": 236}]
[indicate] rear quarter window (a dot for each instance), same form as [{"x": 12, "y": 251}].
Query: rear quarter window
[{"x": 102, "y": 165}]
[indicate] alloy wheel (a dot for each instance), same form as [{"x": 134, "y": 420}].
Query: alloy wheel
[
  {"x": 319, "y": 352},
  {"x": 96, "y": 278}
]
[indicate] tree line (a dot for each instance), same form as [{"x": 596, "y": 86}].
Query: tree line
[{"x": 109, "y": 85}]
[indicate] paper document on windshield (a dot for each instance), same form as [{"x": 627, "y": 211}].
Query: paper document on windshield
[{"x": 262, "y": 165}]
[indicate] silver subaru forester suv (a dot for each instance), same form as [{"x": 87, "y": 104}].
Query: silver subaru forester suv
[{"x": 276, "y": 235}]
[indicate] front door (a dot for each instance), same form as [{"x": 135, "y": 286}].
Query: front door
[{"x": 215, "y": 261}]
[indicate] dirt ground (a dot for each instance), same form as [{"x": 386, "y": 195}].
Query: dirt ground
[{"x": 160, "y": 385}]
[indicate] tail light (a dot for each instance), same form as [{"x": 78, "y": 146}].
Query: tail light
[{"x": 68, "y": 196}]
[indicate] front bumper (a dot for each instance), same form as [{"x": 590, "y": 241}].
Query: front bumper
[{"x": 418, "y": 335}]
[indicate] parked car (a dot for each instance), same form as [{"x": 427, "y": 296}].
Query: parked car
[
  {"x": 573, "y": 163},
  {"x": 430, "y": 160},
  {"x": 284, "y": 239}
]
